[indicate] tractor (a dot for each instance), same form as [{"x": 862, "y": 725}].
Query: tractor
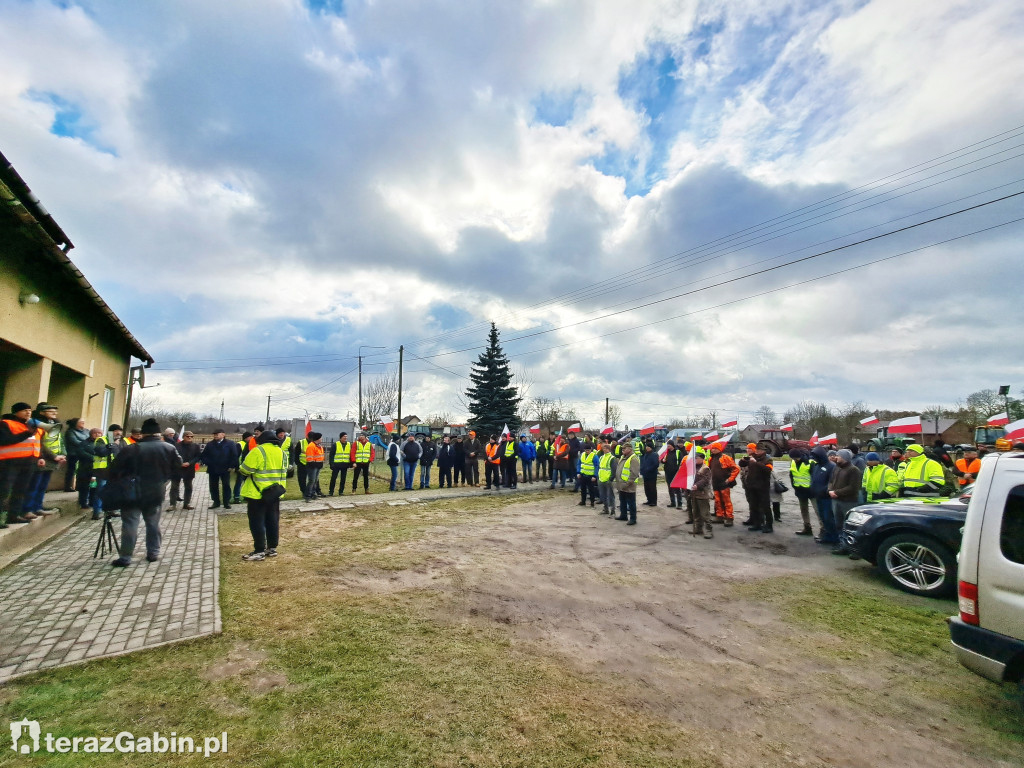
[
  {"x": 883, "y": 442},
  {"x": 992, "y": 438},
  {"x": 775, "y": 442}
]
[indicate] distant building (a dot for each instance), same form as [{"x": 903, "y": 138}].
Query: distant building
[
  {"x": 952, "y": 431},
  {"x": 59, "y": 341}
]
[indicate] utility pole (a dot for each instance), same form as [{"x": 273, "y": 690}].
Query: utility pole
[
  {"x": 221, "y": 411},
  {"x": 606, "y": 410},
  {"x": 401, "y": 355},
  {"x": 360, "y": 424},
  {"x": 267, "y": 422}
]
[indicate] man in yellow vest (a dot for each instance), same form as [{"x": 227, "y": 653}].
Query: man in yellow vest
[
  {"x": 361, "y": 454},
  {"x": 265, "y": 478},
  {"x": 340, "y": 462},
  {"x": 921, "y": 476},
  {"x": 106, "y": 448},
  {"x": 508, "y": 450},
  {"x": 880, "y": 480},
  {"x": 627, "y": 472},
  {"x": 243, "y": 450},
  {"x": 589, "y": 462},
  {"x": 45, "y": 419},
  {"x": 800, "y": 476},
  {"x": 606, "y": 478}
]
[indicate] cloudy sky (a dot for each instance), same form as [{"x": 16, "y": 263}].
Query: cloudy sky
[{"x": 258, "y": 187}]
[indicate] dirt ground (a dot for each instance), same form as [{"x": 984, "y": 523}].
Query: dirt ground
[{"x": 662, "y": 614}]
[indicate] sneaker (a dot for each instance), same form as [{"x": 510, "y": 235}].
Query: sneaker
[
  {"x": 51, "y": 511},
  {"x": 187, "y": 506},
  {"x": 272, "y": 552},
  {"x": 254, "y": 555},
  {"x": 172, "y": 508},
  {"x": 709, "y": 535},
  {"x": 29, "y": 515}
]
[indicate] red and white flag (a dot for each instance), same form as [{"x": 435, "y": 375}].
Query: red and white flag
[
  {"x": 867, "y": 422},
  {"x": 181, "y": 433},
  {"x": 710, "y": 437},
  {"x": 729, "y": 424},
  {"x": 535, "y": 429},
  {"x": 999, "y": 420},
  {"x": 574, "y": 427},
  {"x": 647, "y": 429},
  {"x": 663, "y": 451},
  {"x": 695, "y": 438},
  {"x": 687, "y": 470},
  {"x": 814, "y": 439},
  {"x": 829, "y": 440},
  {"x": 911, "y": 425},
  {"x": 505, "y": 431},
  {"x": 389, "y": 425},
  {"x": 786, "y": 428},
  {"x": 607, "y": 429},
  {"x": 724, "y": 441},
  {"x": 1015, "y": 431},
  {"x": 309, "y": 427}
]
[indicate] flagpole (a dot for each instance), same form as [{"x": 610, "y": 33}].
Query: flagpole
[{"x": 401, "y": 354}]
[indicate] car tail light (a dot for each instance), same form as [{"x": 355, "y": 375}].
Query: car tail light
[{"x": 968, "y": 602}]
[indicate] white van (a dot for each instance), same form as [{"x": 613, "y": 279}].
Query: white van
[{"x": 988, "y": 635}]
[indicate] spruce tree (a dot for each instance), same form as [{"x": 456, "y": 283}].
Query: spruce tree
[{"x": 493, "y": 400}]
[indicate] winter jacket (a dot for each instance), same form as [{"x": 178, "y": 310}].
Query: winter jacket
[
  {"x": 74, "y": 440},
  {"x": 758, "y": 474},
  {"x": 7, "y": 437},
  {"x": 723, "y": 472},
  {"x": 460, "y": 452},
  {"x": 821, "y": 472},
  {"x": 473, "y": 449},
  {"x": 341, "y": 457},
  {"x": 527, "y": 450},
  {"x": 673, "y": 459},
  {"x": 411, "y": 451},
  {"x": 701, "y": 488},
  {"x": 86, "y": 454},
  {"x": 189, "y": 453},
  {"x": 562, "y": 458},
  {"x": 428, "y": 453},
  {"x": 628, "y": 486},
  {"x": 446, "y": 457},
  {"x": 544, "y": 449},
  {"x": 153, "y": 462},
  {"x": 220, "y": 456},
  {"x": 503, "y": 446},
  {"x": 649, "y": 465},
  {"x": 845, "y": 482}
]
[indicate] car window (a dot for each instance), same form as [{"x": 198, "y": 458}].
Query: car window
[{"x": 1011, "y": 534}]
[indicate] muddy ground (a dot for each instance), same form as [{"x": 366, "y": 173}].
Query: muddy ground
[{"x": 663, "y": 614}]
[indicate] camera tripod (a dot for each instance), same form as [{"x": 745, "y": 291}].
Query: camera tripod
[{"x": 107, "y": 542}]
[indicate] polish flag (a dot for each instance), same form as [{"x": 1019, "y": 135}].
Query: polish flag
[
  {"x": 869, "y": 421},
  {"x": 389, "y": 425},
  {"x": 574, "y": 427},
  {"x": 729, "y": 424},
  {"x": 695, "y": 438},
  {"x": 648, "y": 428},
  {"x": 829, "y": 440},
  {"x": 911, "y": 425},
  {"x": 814, "y": 439},
  {"x": 786, "y": 428},
  {"x": 505, "y": 432},
  {"x": 309, "y": 427},
  {"x": 724, "y": 441},
  {"x": 687, "y": 470},
  {"x": 710, "y": 437},
  {"x": 1015, "y": 431},
  {"x": 999, "y": 420},
  {"x": 607, "y": 429},
  {"x": 663, "y": 451},
  {"x": 535, "y": 429}
]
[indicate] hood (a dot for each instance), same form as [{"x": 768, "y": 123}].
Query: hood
[{"x": 819, "y": 454}]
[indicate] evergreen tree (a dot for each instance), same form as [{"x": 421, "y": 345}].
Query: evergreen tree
[{"x": 493, "y": 401}]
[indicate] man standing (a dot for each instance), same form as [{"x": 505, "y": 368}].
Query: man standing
[
  {"x": 895, "y": 460},
  {"x": 362, "y": 454},
  {"x": 673, "y": 459},
  {"x": 394, "y": 460},
  {"x": 152, "y": 461},
  {"x": 220, "y": 457},
  {"x": 821, "y": 476},
  {"x": 561, "y": 450},
  {"x": 445, "y": 462},
  {"x": 508, "y": 450},
  {"x": 589, "y": 463},
  {"x": 844, "y": 490},
  {"x": 411, "y": 453},
  {"x": 473, "y": 448},
  {"x": 544, "y": 459},
  {"x": 243, "y": 450},
  {"x": 53, "y": 454},
  {"x": 627, "y": 472},
  {"x": 492, "y": 467},
  {"x": 723, "y": 479},
  {"x": 920, "y": 475},
  {"x": 341, "y": 460},
  {"x": 880, "y": 480},
  {"x": 756, "y": 484},
  {"x": 967, "y": 468},
  {"x": 701, "y": 493},
  {"x": 800, "y": 477},
  {"x": 606, "y": 478},
  {"x": 427, "y": 457},
  {"x": 314, "y": 464},
  {"x": 106, "y": 449},
  {"x": 458, "y": 461},
  {"x": 75, "y": 437},
  {"x": 265, "y": 478},
  {"x": 527, "y": 454},
  {"x": 649, "y": 472},
  {"x": 185, "y": 472},
  {"x": 20, "y": 455}
]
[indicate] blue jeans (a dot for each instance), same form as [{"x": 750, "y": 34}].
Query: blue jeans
[
  {"x": 394, "y": 476},
  {"x": 527, "y": 470},
  {"x": 828, "y": 523},
  {"x": 97, "y": 507},
  {"x": 424, "y": 475},
  {"x": 36, "y": 491},
  {"x": 410, "y": 473},
  {"x": 556, "y": 474}
]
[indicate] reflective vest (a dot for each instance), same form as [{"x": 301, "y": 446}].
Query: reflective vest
[
  {"x": 100, "y": 462},
  {"x": 921, "y": 470},
  {"x": 303, "y": 444},
  {"x": 341, "y": 452},
  {"x": 492, "y": 453},
  {"x": 286, "y": 447},
  {"x": 52, "y": 440},
  {"x": 26, "y": 449},
  {"x": 561, "y": 450},
  {"x": 587, "y": 463},
  {"x": 314, "y": 453},
  {"x": 510, "y": 449},
  {"x": 604, "y": 470},
  {"x": 262, "y": 467},
  {"x": 801, "y": 476},
  {"x": 363, "y": 452},
  {"x": 546, "y": 445},
  {"x": 880, "y": 479},
  {"x": 971, "y": 469},
  {"x": 624, "y": 473},
  {"x": 638, "y": 447}
]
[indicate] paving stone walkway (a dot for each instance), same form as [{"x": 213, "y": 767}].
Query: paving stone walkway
[{"x": 61, "y": 606}]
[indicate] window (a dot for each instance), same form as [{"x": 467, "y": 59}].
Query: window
[
  {"x": 1011, "y": 534},
  {"x": 108, "y": 405}
]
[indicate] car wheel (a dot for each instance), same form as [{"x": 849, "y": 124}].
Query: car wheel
[{"x": 918, "y": 564}]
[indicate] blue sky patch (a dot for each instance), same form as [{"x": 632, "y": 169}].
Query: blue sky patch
[
  {"x": 333, "y": 7},
  {"x": 555, "y": 108},
  {"x": 69, "y": 121}
]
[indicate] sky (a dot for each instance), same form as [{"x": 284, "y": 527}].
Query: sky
[{"x": 259, "y": 187}]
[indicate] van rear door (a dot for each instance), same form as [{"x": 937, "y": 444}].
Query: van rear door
[{"x": 1001, "y": 554}]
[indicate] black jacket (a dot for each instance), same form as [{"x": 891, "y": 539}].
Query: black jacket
[
  {"x": 429, "y": 453},
  {"x": 153, "y": 462},
  {"x": 446, "y": 456},
  {"x": 220, "y": 457}
]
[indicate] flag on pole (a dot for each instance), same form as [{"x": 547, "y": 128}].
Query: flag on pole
[
  {"x": 505, "y": 431},
  {"x": 786, "y": 428},
  {"x": 829, "y": 440},
  {"x": 911, "y": 425},
  {"x": 1015, "y": 431},
  {"x": 710, "y": 437},
  {"x": 389, "y": 425},
  {"x": 607, "y": 429},
  {"x": 814, "y": 439},
  {"x": 687, "y": 470},
  {"x": 724, "y": 441},
  {"x": 647, "y": 429},
  {"x": 729, "y": 424},
  {"x": 999, "y": 420},
  {"x": 181, "y": 433},
  {"x": 663, "y": 451},
  {"x": 535, "y": 429},
  {"x": 574, "y": 427},
  {"x": 309, "y": 426},
  {"x": 867, "y": 422}
]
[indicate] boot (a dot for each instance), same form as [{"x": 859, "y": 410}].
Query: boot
[
  {"x": 708, "y": 534},
  {"x": 728, "y": 522},
  {"x": 778, "y": 517},
  {"x": 805, "y": 532},
  {"x": 672, "y": 505},
  {"x": 591, "y": 502}
]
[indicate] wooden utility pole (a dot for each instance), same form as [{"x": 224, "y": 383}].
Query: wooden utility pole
[
  {"x": 267, "y": 422},
  {"x": 401, "y": 355},
  {"x": 606, "y": 410}
]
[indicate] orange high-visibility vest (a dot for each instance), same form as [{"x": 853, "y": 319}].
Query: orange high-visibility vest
[
  {"x": 492, "y": 453},
  {"x": 561, "y": 450},
  {"x": 314, "y": 453},
  {"x": 971, "y": 469},
  {"x": 26, "y": 449}
]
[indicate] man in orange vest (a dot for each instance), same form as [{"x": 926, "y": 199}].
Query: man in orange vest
[
  {"x": 492, "y": 467},
  {"x": 968, "y": 467},
  {"x": 314, "y": 463},
  {"x": 560, "y": 451},
  {"x": 21, "y": 451}
]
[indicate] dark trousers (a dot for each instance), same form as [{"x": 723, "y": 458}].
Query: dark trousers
[
  {"x": 300, "y": 473},
  {"x": 264, "y": 523},
  {"x": 86, "y": 495},
  {"x": 675, "y": 495},
  {"x": 472, "y": 471},
  {"x": 492, "y": 472},
  {"x": 588, "y": 487},
  {"x": 15, "y": 475},
  {"x": 550, "y": 468},
  {"x": 509, "y": 475},
  {"x": 363, "y": 469},
  {"x": 176, "y": 483},
  {"x": 130, "y": 529},
  {"x": 69, "y": 473},
  {"x": 627, "y": 505},
  {"x": 338, "y": 470},
  {"x": 239, "y": 479},
  {"x": 459, "y": 472},
  {"x": 220, "y": 483},
  {"x": 760, "y": 505},
  {"x": 651, "y": 489},
  {"x": 444, "y": 474}
]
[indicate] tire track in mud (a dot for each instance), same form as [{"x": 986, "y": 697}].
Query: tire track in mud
[{"x": 651, "y": 611}]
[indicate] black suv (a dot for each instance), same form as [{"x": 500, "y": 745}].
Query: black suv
[{"x": 912, "y": 541}]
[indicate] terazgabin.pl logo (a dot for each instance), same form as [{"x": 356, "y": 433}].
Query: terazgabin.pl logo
[{"x": 27, "y": 738}]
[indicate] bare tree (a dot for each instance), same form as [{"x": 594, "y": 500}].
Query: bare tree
[
  {"x": 380, "y": 398},
  {"x": 438, "y": 420},
  {"x": 614, "y": 415},
  {"x": 765, "y": 415}
]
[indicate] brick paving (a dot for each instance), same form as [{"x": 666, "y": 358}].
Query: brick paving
[{"x": 61, "y": 606}]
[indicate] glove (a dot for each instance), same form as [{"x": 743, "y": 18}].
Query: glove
[{"x": 731, "y": 484}]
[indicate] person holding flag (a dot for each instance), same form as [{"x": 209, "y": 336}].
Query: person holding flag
[
  {"x": 672, "y": 457},
  {"x": 701, "y": 493},
  {"x": 562, "y": 461}
]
